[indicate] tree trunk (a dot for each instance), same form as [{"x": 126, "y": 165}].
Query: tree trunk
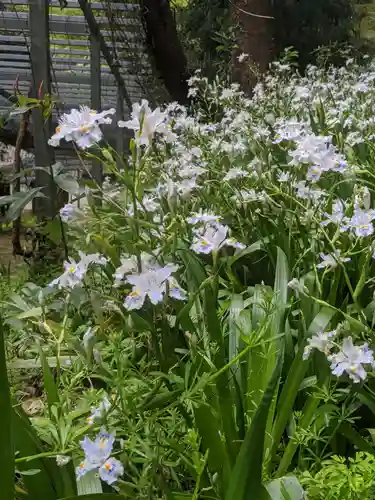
[
  {"x": 254, "y": 24},
  {"x": 166, "y": 48}
]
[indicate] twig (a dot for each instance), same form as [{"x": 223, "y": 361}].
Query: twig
[
  {"x": 252, "y": 14},
  {"x": 16, "y": 237}
]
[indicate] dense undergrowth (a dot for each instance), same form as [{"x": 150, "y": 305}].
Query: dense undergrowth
[{"x": 211, "y": 335}]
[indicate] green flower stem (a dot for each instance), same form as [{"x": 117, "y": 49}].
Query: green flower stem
[{"x": 47, "y": 454}]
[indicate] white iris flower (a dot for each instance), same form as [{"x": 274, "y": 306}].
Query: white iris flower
[
  {"x": 146, "y": 123},
  {"x": 152, "y": 284},
  {"x": 320, "y": 341},
  {"x": 81, "y": 126},
  {"x": 74, "y": 272},
  {"x": 212, "y": 239},
  {"x": 97, "y": 457},
  {"x": 332, "y": 260},
  {"x": 351, "y": 360}
]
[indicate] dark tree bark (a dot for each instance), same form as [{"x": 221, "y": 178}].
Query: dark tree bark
[
  {"x": 254, "y": 24},
  {"x": 165, "y": 47}
]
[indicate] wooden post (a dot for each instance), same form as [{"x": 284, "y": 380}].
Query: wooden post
[
  {"x": 41, "y": 85},
  {"x": 96, "y": 98}
]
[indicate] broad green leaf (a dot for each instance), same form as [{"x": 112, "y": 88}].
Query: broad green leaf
[
  {"x": 94, "y": 496},
  {"x": 294, "y": 379},
  {"x": 372, "y": 434},
  {"x": 235, "y": 309},
  {"x": 6, "y": 438},
  {"x": 255, "y": 247},
  {"x": 53, "y": 398},
  {"x": 285, "y": 488},
  {"x": 20, "y": 203},
  {"x": 195, "y": 271},
  {"x": 281, "y": 284},
  {"x": 239, "y": 323},
  {"x": 67, "y": 183},
  {"x": 28, "y": 364},
  {"x": 225, "y": 396},
  {"x": 35, "y": 312},
  {"x": 20, "y": 111},
  {"x": 162, "y": 400},
  {"x": 47, "y": 483},
  {"x": 7, "y": 200},
  {"x": 57, "y": 168},
  {"x": 309, "y": 309},
  {"x": 51, "y": 482},
  {"x": 279, "y": 302},
  {"x": 308, "y": 382},
  {"x": 53, "y": 231},
  {"x": 210, "y": 432},
  {"x": 308, "y": 411},
  {"x": 366, "y": 398},
  {"x": 258, "y": 313},
  {"x": 354, "y": 437},
  {"x": 89, "y": 484},
  {"x": 246, "y": 478}
]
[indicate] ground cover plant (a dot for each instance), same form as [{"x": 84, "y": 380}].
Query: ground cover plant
[{"x": 211, "y": 333}]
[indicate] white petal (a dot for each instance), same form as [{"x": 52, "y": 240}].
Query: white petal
[
  {"x": 156, "y": 295},
  {"x": 134, "y": 301}
]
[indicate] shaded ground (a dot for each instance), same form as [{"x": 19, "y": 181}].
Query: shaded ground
[{"x": 6, "y": 250}]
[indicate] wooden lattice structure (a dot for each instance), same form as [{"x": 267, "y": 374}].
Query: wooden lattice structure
[
  {"x": 72, "y": 49},
  {"x": 89, "y": 52}
]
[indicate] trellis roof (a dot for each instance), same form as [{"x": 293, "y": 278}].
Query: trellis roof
[{"x": 121, "y": 27}]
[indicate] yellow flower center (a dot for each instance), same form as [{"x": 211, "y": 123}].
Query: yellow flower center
[
  {"x": 85, "y": 128},
  {"x": 58, "y": 129},
  {"x": 71, "y": 269},
  {"x": 134, "y": 294},
  {"x": 103, "y": 443},
  {"x": 107, "y": 466},
  {"x": 82, "y": 465}
]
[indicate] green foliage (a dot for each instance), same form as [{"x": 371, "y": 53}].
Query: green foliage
[
  {"x": 215, "y": 356},
  {"x": 340, "y": 477},
  {"x": 207, "y": 34},
  {"x": 307, "y": 25},
  {"x": 7, "y": 450}
]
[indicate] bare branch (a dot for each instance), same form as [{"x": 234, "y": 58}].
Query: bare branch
[{"x": 250, "y": 13}]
